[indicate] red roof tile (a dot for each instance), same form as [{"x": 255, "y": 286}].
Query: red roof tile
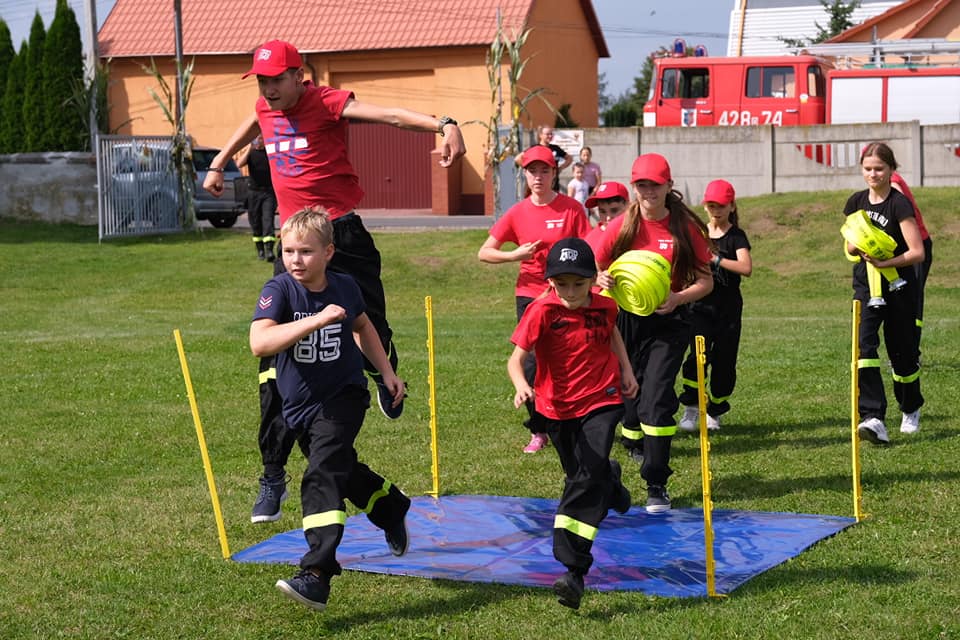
[{"x": 145, "y": 27}]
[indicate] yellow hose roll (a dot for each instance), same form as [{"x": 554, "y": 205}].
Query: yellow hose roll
[
  {"x": 871, "y": 240},
  {"x": 641, "y": 281}
]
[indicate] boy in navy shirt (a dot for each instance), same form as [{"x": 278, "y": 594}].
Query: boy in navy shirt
[{"x": 308, "y": 317}]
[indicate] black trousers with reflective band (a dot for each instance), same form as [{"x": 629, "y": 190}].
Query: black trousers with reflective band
[
  {"x": 583, "y": 445},
  {"x": 655, "y": 345},
  {"x": 334, "y": 474},
  {"x": 356, "y": 255}
]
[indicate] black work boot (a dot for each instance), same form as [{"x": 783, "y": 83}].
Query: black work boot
[
  {"x": 268, "y": 249},
  {"x": 260, "y": 254}
]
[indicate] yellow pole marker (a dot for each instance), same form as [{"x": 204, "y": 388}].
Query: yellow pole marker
[
  {"x": 432, "y": 385},
  {"x": 855, "y": 411},
  {"x": 701, "y": 348},
  {"x": 224, "y": 548}
]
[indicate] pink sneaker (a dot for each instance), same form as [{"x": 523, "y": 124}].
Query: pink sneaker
[{"x": 537, "y": 441}]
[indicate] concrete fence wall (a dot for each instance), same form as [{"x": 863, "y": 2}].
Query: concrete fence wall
[
  {"x": 62, "y": 187},
  {"x": 54, "y": 187}
]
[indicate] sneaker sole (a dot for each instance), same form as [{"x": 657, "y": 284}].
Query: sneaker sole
[
  {"x": 291, "y": 593},
  {"x": 909, "y": 430},
  {"x": 271, "y": 517},
  {"x": 870, "y": 436},
  {"x": 657, "y": 508},
  {"x": 398, "y": 410},
  {"x": 688, "y": 429}
]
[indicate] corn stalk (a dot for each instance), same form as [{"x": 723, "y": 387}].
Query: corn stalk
[{"x": 181, "y": 151}]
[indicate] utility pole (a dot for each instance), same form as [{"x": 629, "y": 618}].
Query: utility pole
[{"x": 92, "y": 55}]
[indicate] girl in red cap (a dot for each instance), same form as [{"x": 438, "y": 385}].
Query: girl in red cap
[
  {"x": 718, "y": 316},
  {"x": 658, "y": 221},
  {"x": 534, "y": 224}
]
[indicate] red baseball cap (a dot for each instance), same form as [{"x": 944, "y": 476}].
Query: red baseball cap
[
  {"x": 538, "y": 153},
  {"x": 607, "y": 191},
  {"x": 651, "y": 166},
  {"x": 273, "y": 58},
  {"x": 719, "y": 191}
]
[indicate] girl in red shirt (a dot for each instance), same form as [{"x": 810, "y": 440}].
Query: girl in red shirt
[
  {"x": 534, "y": 224},
  {"x": 659, "y": 221}
]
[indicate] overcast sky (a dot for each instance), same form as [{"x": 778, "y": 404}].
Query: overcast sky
[{"x": 632, "y": 28}]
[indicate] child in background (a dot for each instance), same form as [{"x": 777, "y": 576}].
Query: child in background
[
  {"x": 718, "y": 316},
  {"x": 922, "y": 268},
  {"x": 582, "y": 369},
  {"x": 591, "y": 170},
  {"x": 314, "y": 321},
  {"x": 610, "y": 199},
  {"x": 534, "y": 224},
  {"x": 577, "y": 188}
]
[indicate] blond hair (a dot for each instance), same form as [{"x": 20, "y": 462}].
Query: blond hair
[{"x": 310, "y": 220}]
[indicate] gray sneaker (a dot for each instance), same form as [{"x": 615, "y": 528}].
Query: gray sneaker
[
  {"x": 658, "y": 500},
  {"x": 273, "y": 491},
  {"x": 307, "y": 588}
]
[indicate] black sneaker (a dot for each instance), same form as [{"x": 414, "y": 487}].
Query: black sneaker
[
  {"x": 272, "y": 494},
  {"x": 385, "y": 401},
  {"x": 397, "y": 537},
  {"x": 658, "y": 500},
  {"x": 307, "y": 588},
  {"x": 636, "y": 454},
  {"x": 569, "y": 589},
  {"x": 621, "y": 499}
]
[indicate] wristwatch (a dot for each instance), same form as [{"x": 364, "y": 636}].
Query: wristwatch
[{"x": 444, "y": 121}]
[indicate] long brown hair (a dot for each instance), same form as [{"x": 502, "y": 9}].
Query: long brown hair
[{"x": 685, "y": 266}]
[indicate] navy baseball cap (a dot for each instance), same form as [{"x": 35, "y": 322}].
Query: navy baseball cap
[{"x": 573, "y": 256}]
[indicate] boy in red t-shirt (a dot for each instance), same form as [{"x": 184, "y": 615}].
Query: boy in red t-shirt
[{"x": 582, "y": 373}]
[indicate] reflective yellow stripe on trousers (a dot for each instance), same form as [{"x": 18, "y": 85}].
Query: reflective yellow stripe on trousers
[
  {"x": 324, "y": 519},
  {"x": 582, "y": 529}
]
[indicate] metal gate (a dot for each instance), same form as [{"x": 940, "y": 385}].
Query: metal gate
[
  {"x": 393, "y": 165},
  {"x": 137, "y": 185}
]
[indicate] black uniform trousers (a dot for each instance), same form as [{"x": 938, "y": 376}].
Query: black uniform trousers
[
  {"x": 261, "y": 209},
  {"x": 922, "y": 269},
  {"x": 589, "y": 486},
  {"x": 655, "y": 345},
  {"x": 355, "y": 255},
  {"x": 720, "y": 324},
  {"x": 334, "y": 474},
  {"x": 898, "y": 319},
  {"x": 535, "y": 421}
]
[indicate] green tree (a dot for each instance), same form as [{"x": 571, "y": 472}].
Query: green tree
[
  {"x": 62, "y": 67},
  {"x": 6, "y": 56},
  {"x": 11, "y": 138},
  {"x": 36, "y": 135},
  {"x": 841, "y": 19}
]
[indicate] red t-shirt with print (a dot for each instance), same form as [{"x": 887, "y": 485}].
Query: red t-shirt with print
[
  {"x": 307, "y": 148},
  {"x": 654, "y": 236},
  {"x": 526, "y": 222},
  {"x": 577, "y": 370}
]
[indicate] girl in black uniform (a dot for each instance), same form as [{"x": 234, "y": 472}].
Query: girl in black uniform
[
  {"x": 892, "y": 212},
  {"x": 718, "y": 317}
]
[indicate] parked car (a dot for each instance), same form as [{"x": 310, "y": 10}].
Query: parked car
[{"x": 143, "y": 188}]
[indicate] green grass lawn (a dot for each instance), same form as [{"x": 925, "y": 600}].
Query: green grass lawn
[{"x": 106, "y": 527}]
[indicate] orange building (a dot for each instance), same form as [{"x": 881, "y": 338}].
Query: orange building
[{"x": 425, "y": 55}]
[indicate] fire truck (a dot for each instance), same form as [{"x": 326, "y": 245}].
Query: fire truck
[{"x": 696, "y": 91}]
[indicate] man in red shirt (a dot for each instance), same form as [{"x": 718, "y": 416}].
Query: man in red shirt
[
  {"x": 582, "y": 370},
  {"x": 303, "y": 126}
]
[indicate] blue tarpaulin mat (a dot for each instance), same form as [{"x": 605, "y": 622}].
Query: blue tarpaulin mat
[{"x": 508, "y": 540}]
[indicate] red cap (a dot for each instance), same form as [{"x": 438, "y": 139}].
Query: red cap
[
  {"x": 651, "y": 166},
  {"x": 273, "y": 58},
  {"x": 607, "y": 191},
  {"x": 719, "y": 191},
  {"x": 538, "y": 153}
]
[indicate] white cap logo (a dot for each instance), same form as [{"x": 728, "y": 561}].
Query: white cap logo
[
  {"x": 568, "y": 255},
  {"x": 264, "y": 54},
  {"x": 602, "y": 188}
]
